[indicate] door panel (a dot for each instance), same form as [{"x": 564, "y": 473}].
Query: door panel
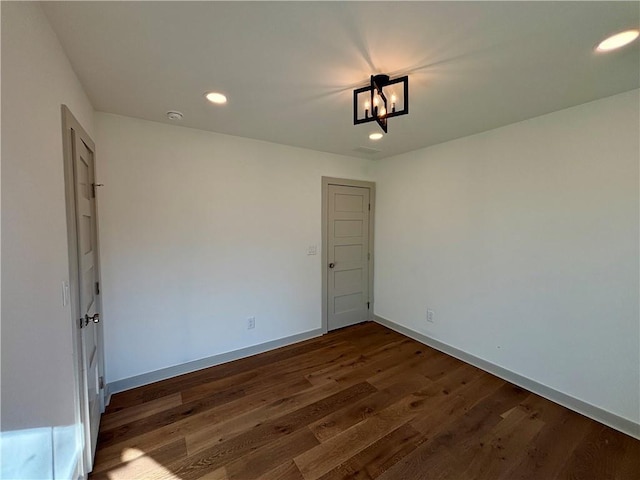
[
  {"x": 348, "y": 203},
  {"x": 347, "y": 255},
  {"x": 348, "y": 228},
  {"x": 348, "y": 280},
  {"x": 342, "y": 253}
]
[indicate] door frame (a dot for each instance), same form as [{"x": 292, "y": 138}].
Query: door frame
[
  {"x": 70, "y": 125},
  {"x": 326, "y": 181}
]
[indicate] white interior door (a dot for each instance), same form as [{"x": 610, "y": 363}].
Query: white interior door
[
  {"x": 347, "y": 255},
  {"x": 88, "y": 327}
]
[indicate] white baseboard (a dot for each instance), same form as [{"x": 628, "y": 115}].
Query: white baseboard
[
  {"x": 169, "y": 372},
  {"x": 596, "y": 413}
]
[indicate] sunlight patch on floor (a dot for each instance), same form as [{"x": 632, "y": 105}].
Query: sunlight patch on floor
[
  {"x": 129, "y": 454},
  {"x": 139, "y": 465}
]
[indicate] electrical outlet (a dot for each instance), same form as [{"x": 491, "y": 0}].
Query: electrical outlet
[
  {"x": 430, "y": 316},
  {"x": 251, "y": 323}
]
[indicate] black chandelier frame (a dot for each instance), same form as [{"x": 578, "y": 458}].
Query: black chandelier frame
[{"x": 377, "y": 87}]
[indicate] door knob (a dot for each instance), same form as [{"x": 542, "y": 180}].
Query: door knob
[
  {"x": 95, "y": 318},
  {"x": 331, "y": 265}
]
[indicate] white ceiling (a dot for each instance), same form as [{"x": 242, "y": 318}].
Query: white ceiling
[{"x": 289, "y": 68}]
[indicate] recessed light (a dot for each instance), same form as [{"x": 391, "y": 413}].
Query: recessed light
[
  {"x": 618, "y": 40},
  {"x": 215, "y": 97},
  {"x": 175, "y": 116},
  {"x": 375, "y": 136}
]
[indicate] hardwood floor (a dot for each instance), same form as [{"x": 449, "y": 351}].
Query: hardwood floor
[{"x": 360, "y": 403}]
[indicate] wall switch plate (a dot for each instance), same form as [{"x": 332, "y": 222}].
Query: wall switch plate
[
  {"x": 312, "y": 250},
  {"x": 430, "y": 316},
  {"x": 251, "y": 323},
  {"x": 66, "y": 294}
]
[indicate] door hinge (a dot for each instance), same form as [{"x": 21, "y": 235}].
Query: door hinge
[
  {"x": 368, "y": 305},
  {"x": 101, "y": 382},
  {"x": 369, "y": 207},
  {"x": 97, "y": 288},
  {"x": 93, "y": 188},
  {"x": 81, "y": 322},
  {"x": 368, "y": 256}
]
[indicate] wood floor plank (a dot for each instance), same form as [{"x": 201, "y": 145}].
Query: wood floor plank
[
  {"x": 373, "y": 337},
  {"x": 226, "y": 391},
  {"x": 259, "y": 462},
  {"x": 503, "y": 447},
  {"x": 362, "y": 402},
  {"x": 629, "y": 465},
  {"x": 281, "y": 371},
  {"x": 316, "y": 462},
  {"x": 440, "y": 366},
  {"x": 108, "y": 456},
  {"x": 168, "y": 417},
  {"x": 451, "y": 406},
  {"x": 543, "y": 458},
  {"x": 357, "y": 362},
  {"x": 335, "y": 450},
  {"x": 146, "y": 464},
  {"x": 412, "y": 366},
  {"x": 426, "y": 361},
  {"x": 376, "y": 362},
  {"x": 216, "y": 456},
  {"x": 601, "y": 454},
  {"x": 455, "y": 445},
  {"x": 226, "y": 429},
  {"x": 286, "y": 471},
  {"x": 338, "y": 421},
  {"x": 182, "y": 382},
  {"x": 457, "y": 377},
  {"x": 115, "y": 419},
  {"x": 218, "y": 474},
  {"x": 379, "y": 456}
]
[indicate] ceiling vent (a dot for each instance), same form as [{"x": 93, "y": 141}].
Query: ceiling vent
[{"x": 367, "y": 150}]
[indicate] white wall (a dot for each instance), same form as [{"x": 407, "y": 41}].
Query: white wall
[
  {"x": 199, "y": 231},
  {"x": 524, "y": 241},
  {"x": 37, "y": 363}
]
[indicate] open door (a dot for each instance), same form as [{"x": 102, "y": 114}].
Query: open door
[{"x": 84, "y": 282}]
